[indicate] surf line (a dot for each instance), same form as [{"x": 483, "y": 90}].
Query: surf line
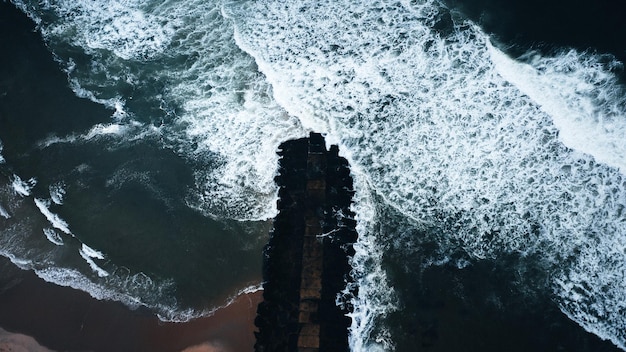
[{"x": 307, "y": 287}]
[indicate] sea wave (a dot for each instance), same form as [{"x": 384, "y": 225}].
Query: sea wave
[
  {"x": 497, "y": 155},
  {"x": 53, "y": 236},
  {"x": 69, "y": 262},
  {"x": 455, "y": 138},
  {"x": 2, "y": 160},
  {"x": 22, "y": 187},
  {"x": 54, "y": 219},
  {"x": 4, "y": 213},
  {"x": 214, "y": 106},
  {"x": 57, "y": 192}
]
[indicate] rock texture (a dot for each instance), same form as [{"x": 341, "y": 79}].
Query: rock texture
[{"x": 306, "y": 264}]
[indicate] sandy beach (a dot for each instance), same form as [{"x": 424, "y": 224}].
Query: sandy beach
[
  {"x": 34, "y": 313},
  {"x": 19, "y": 343}
]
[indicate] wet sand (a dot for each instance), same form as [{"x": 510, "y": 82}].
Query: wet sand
[
  {"x": 64, "y": 319},
  {"x": 19, "y": 343}
]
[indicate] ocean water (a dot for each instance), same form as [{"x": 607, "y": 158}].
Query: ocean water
[{"x": 487, "y": 150}]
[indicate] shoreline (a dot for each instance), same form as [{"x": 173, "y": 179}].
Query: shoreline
[
  {"x": 35, "y": 92},
  {"x": 65, "y": 319},
  {"x": 10, "y": 341}
]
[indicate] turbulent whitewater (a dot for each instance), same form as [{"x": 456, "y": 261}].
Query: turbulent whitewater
[{"x": 485, "y": 153}]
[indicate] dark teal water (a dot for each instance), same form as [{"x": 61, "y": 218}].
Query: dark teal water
[
  {"x": 128, "y": 199},
  {"x": 490, "y": 193}
]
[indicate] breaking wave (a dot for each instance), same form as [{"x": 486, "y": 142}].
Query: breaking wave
[
  {"x": 460, "y": 138},
  {"x": 57, "y": 259},
  {"x": 2, "y": 161},
  {"x": 497, "y": 155}
]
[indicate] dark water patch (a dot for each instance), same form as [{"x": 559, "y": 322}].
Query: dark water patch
[
  {"x": 473, "y": 309},
  {"x": 35, "y": 98},
  {"x": 451, "y": 302},
  {"x": 481, "y": 308},
  {"x": 550, "y": 26},
  {"x": 129, "y": 203},
  {"x": 125, "y": 194}
]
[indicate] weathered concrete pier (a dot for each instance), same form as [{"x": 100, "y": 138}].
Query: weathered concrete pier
[{"x": 306, "y": 267}]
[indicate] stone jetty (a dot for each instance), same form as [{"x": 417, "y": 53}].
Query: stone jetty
[{"x": 307, "y": 284}]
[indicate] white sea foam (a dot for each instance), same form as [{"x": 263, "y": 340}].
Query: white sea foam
[
  {"x": 89, "y": 254},
  {"x": 181, "y": 316},
  {"x": 133, "y": 290},
  {"x": 116, "y": 102},
  {"x": 56, "y": 221},
  {"x": 127, "y": 131},
  {"x": 120, "y": 26},
  {"x": 2, "y": 160},
  {"x": 456, "y": 137},
  {"x": 495, "y": 155},
  {"x": 4, "y": 213},
  {"x": 53, "y": 236},
  {"x": 130, "y": 130},
  {"x": 106, "y": 129},
  {"x": 51, "y": 140},
  {"x": 19, "y": 262},
  {"x": 581, "y": 96},
  {"x": 376, "y": 298},
  {"x": 57, "y": 192},
  {"x": 21, "y": 187},
  {"x": 22, "y": 242},
  {"x": 227, "y": 111}
]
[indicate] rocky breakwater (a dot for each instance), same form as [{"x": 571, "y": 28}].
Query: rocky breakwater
[{"x": 306, "y": 262}]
